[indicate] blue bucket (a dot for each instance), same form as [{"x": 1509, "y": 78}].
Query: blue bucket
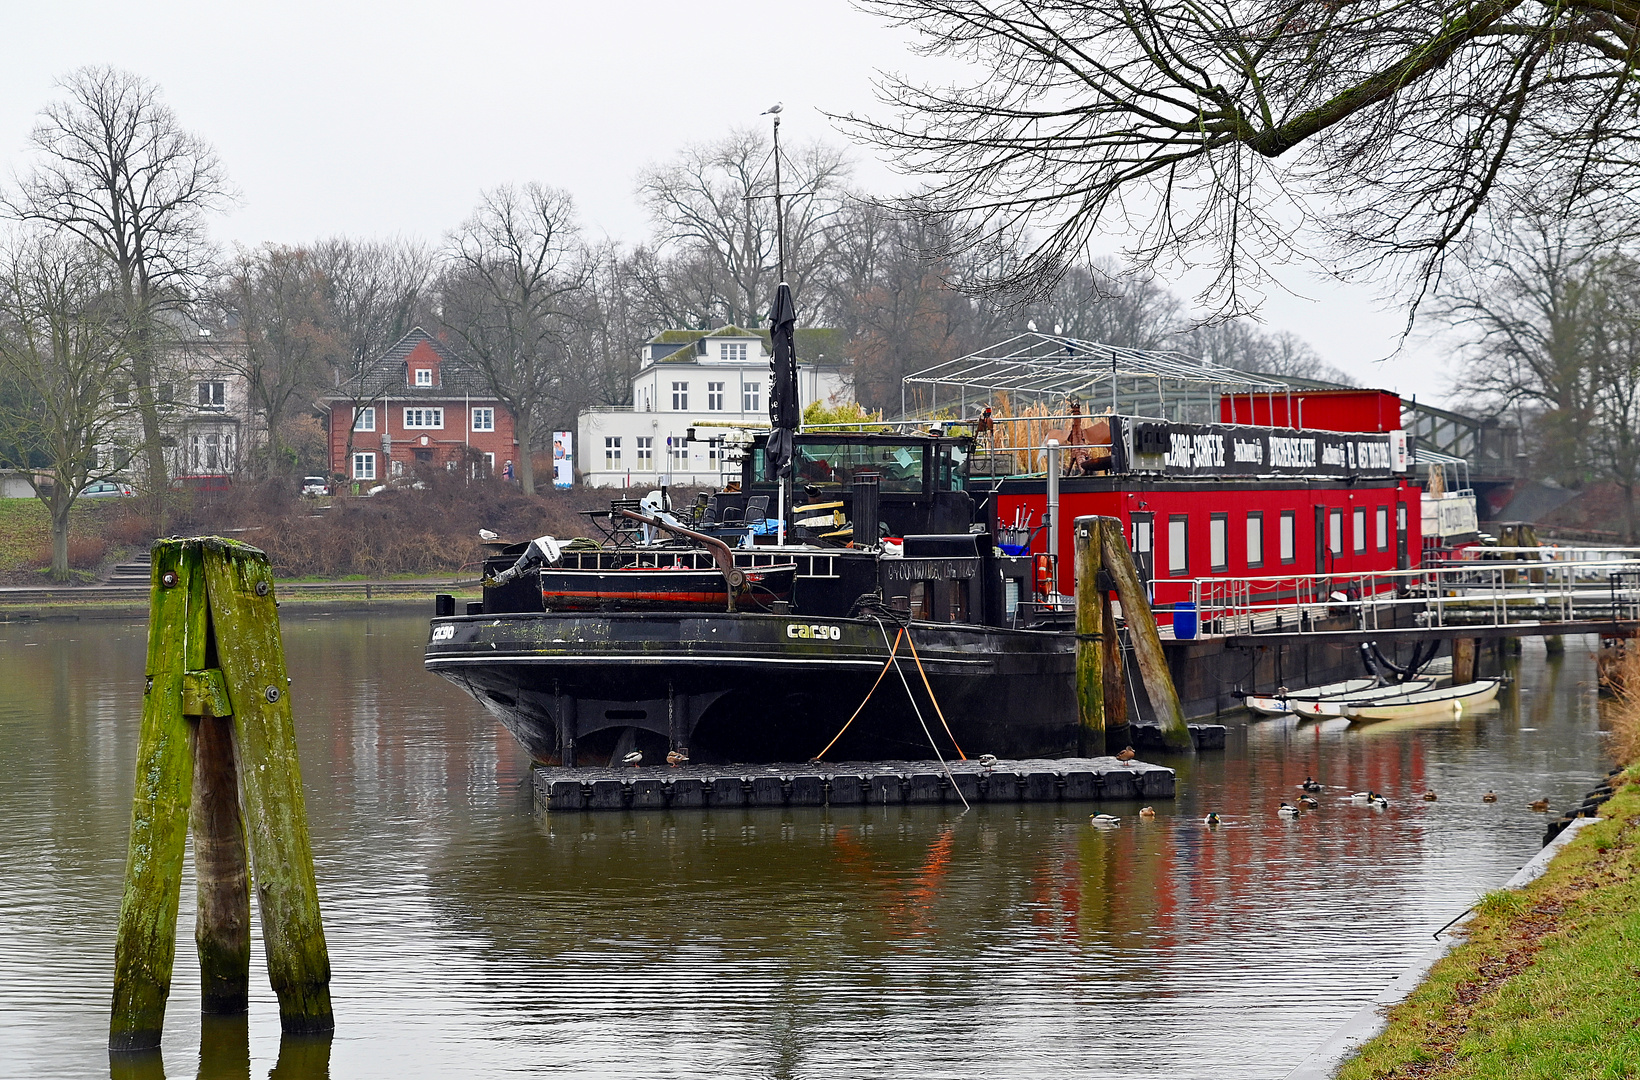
[{"x": 1184, "y": 619}]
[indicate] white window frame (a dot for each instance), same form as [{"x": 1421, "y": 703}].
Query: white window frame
[
  {"x": 1359, "y": 524},
  {"x": 1289, "y": 537},
  {"x": 483, "y": 419},
  {"x": 612, "y": 452},
  {"x": 734, "y": 352},
  {"x": 1335, "y": 532},
  {"x": 364, "y": 465},
  {"x": 714, "y": 397},
  {"x": 423, "y": 418},
  {"x": 751, "y": 396},
  {"x": 1383, "y": 528},
  {"x": 646, "y": 453},
  {"x": 213, "y": 394},
  {"x": 1218, "y": 541},
  {"x": 679, "y": 452},
  {"x": 424, "y": 377},
  {"x": 680, "y": 397},
  {"x": 1255, "y": 539},
  {"x": 364, "y": 419}
]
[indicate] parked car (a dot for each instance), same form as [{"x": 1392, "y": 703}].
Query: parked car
[
  {"x": 107, "y": 489},
  {"x": 315, "y": 486}
]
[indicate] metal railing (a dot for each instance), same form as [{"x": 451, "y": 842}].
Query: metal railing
[{"x": 1571, "y": 585}]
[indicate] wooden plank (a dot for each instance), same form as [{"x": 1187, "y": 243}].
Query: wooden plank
[
  {"x": 222, "y": 924},
  {"x": 251, "y": 654},
  {"x": 1116, "y": 702},
  {"x": 145, "y": 947},
  {"x": 1147, "y": 643},
  {"x": 1463, "y": 660},
  {"x": 1090, "y": 637}
]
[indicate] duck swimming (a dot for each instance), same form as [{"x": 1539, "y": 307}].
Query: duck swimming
[
  {"x": 1147, "y": 811},
  {"x": 1430, "y": 796},
  {"x": 1310, "y": 785},
  {"x": 1288, "y": 811},
  {"x": 1541, "y": 806},
  {"x": 1104, "y": 821},
  {"x": 1307, "y": 803},
  {"x": 1211, "y": 821},
  {"x": 1490, "y": 796}
]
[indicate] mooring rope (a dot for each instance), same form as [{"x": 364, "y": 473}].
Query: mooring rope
[
  {"x": 918, "y": 710},
  {"x": 937, "y": 711},
  {"x": 886, "y": 665}
]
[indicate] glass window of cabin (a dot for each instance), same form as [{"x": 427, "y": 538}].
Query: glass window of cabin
[
  {"x": 1360, "y": 529},
  {"x": 953, "y": 468},
  {"x": 1289, "y": 536},
  {"x": 1255, "y": 539},
  {"x": 822, "y": 464},
  {"x": 1383, "y": 528},
  {"x": 958, "y": 600},
  {"x": 1335, "y": 532},
  {"x": 920, "y": 607},
  {"x": 1218, "y": 541},
  {"x": 1178, "y": 550}
]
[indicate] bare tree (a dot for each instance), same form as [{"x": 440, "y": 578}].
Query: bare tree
[
  {"x": 714, "y": 203},
  {"x": 116, "y": 169},
  {"x": 515, "y": 270},
  {"x": 282, "y": 303},
  {"x": 61, "y": 357},
  {"x": 1218, "y": 130},
  {"x": 377, "y": 292}
]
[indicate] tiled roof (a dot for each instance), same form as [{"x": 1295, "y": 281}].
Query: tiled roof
[{"x": 388, "y": 375}]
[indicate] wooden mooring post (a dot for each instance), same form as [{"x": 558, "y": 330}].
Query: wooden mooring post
[
  {"x": 1093, "y": 683},
  {"x": 217, "y": 747}
]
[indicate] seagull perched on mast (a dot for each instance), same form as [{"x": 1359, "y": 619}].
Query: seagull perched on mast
[{"x": 772, "y": 110}]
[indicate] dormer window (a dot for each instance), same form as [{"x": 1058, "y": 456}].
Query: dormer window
[
  {"x": 734, "y": 352},
  {"x": 424, "y": 376}
]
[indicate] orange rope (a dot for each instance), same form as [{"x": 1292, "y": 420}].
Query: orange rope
[
  {"x": 913, "y": 642},
  {"x": 890, "y": 663}
]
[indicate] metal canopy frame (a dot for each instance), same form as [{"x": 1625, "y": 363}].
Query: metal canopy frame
[{"x": 1036, "y": 368}]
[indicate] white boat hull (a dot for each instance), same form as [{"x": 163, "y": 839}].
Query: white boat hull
[{"x": 1449, "y": 699}]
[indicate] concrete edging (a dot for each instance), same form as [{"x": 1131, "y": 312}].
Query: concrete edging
[{"x": 1370, "y": 1019}]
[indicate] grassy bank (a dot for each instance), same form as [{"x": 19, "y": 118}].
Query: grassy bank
[{"x": 1547, "y": 983}]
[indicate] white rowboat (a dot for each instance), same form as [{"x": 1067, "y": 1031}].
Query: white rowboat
[
  {"x": 1326, "y": 708},
  {"x": 1281, "y": 705},
  {"x": 1449, "y": 698}
]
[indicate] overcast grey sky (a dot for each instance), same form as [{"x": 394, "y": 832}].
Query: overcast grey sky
[{"x": 381, "y": 119}]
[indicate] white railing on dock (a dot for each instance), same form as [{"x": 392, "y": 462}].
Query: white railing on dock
[{"x": 1500, "y": 587}]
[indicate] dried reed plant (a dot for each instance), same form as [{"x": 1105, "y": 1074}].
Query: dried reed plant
[{"x": 1620, "y": 672}]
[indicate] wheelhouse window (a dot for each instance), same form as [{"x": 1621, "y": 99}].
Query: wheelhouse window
[
  {"x": 1335, "y": 532},
  {"x": 364, "y": 466},
  {"x": 1360, "y": 529},
  {"x": 612, "y": 451},
  {"x": 484, "y": 419},
  {"x": 900, "y": 468},
  {"x": 1178, "y": 545},
  {"x": 714, "y": 397},
  {"x": 424, "y": 418},
  {"x": 1382, "y": 515},
  {"x": 1255, "y": 539},
  {"x": 365, "y": 419},
  {"x": 680, "y": 396},
  {"x": 1289, "y": 537},
  {"x": 1218, "y": 541}
]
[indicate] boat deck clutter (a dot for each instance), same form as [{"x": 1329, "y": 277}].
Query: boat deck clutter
[{"x": 851, "y": 783}]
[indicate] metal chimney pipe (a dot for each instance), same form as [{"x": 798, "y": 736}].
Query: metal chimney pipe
[{"x": 1050, "y": 516}]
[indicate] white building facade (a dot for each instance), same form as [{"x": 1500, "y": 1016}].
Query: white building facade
[{"x": 715, "y": 382}]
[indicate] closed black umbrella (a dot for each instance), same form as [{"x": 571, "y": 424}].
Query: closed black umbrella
[{"x": 784, "y": 412}]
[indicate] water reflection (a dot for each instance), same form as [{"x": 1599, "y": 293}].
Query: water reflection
[{"x": 470, "y": 937}]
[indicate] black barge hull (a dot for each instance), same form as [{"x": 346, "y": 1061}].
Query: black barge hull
[{"x": 588, "y": 688}]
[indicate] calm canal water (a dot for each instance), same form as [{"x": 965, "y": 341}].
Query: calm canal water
[{"x": 470, "y": 937}]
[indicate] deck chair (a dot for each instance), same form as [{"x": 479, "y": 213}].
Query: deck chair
[
  {"x": 707, "y": 515},
  {"x": 757, "y": 508}
]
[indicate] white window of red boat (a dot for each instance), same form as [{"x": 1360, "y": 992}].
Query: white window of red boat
[
  {"x": 1360, "y": 529},
  {"x": 1218, "y": 541},
  {"x": 1255, "y": 539},
  {"x": 1289, "y": 536},
  {"x": 1178, "y": 550},
  {"x": 1383, "y": 528},
  {"x": 1335, "y": 532}
]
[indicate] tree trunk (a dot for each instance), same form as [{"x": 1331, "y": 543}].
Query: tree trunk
[
  {"x": 524, "y": 429},
  {"x": 153, "y": 449},
  {"x": 59, "y": 507}
]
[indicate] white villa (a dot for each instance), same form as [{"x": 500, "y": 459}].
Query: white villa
[{"x": 713, "y": 381}]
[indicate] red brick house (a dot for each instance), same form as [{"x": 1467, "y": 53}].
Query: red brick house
[{"x": 418, "y": 405}]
